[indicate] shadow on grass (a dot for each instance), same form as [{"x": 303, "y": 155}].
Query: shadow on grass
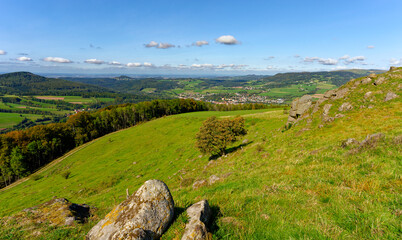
[
  {"x": 230, "y": 150},
  {"x": 213, "y": 223}
]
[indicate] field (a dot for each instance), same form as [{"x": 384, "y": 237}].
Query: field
[
  {"x": 75, "y": 99},
  {"x": 35, "y": 107},
  {"x": 10, "y": 119},
  {"x": 294, "y": 184}
]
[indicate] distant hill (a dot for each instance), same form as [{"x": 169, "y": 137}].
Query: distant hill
[
  {"x": 26, "y": 83},
  {"x": 337, "y": 78}
]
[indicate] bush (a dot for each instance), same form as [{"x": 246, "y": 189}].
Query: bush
[{"x": 215, "y": 135}]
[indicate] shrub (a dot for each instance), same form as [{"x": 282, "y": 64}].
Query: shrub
[{"x": 215, "y": 135}]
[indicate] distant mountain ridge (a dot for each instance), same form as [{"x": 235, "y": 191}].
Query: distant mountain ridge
[{"x": 26, "y": 83}]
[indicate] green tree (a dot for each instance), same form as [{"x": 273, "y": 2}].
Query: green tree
[
  {"x": 17, "y": 163},
  {"x": 215, "y": 135}
]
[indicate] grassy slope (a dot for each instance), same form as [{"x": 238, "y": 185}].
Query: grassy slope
[
  {"x": 10, "y": 119},
  {"x": 296, "y": 184}
]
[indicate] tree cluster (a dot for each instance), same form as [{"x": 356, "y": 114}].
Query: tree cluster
[{"x": 216, "y": 134}]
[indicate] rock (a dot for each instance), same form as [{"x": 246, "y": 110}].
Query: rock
[
  {"x": 371, "y": 140},
  {"x": 327, "y": 107},
  {"x": 317, "y": 104},
  {"x": 245, "y": 141},
  {"x": 329, "y": 94},
  {"x": 366, "y": 80},
  {"x": 59, "y": 211},
  {"x": 379, "y": 81},
  {"x": 341, "y": 93},
  {"x": 372, "y": 75},
  {"x": 144, "y": 215},
  {"x": 392, "y": 68},
  {"x": 368, "y": 95},
  {"x": 199, "y": 215},
  {"x": 200, "y": 183},
  {"x": 299, "y": 107},
  {"x": 338, "y": 115},
  {"x": 390, "y": 96},
  {"x": 345, "y": 107},
  {"x": 213, "y": 179},
  {"x": 350, "y": 142}
]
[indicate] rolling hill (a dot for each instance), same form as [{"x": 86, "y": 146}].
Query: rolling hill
[
  {"x": 26, "y": 83},
  {"x": 276, "y": 183}
]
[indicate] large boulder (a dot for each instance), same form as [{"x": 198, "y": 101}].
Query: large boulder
[
  {"x": 199, "y": 215},
  {"x": 390, "y": 96},
  {"x": 299, "y": 107},
  {"x": 144, "y": 215}
]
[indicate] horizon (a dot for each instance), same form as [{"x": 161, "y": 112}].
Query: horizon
[{"x": 197, "y": 39}]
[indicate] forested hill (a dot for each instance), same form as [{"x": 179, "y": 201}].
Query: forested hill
[
  {"x": 26, "y": 83},
  {"x": 337, "y": 78}
]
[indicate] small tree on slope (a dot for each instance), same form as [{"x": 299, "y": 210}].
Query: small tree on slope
[{"x": 215, "y": 135}]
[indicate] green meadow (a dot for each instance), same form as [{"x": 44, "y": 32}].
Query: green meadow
[{"x": 274, "y": 184}]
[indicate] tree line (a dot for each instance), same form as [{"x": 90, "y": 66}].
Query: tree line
[{"x": 24, "y": 151}]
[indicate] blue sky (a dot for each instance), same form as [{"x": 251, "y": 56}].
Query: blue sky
[{"x": 198, "y": 37}]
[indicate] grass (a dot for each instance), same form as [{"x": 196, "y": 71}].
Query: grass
[
  {"x": 294, "y": 184},
  {"x": 10, "y": 119},
  {"x": 78, "y": 99}
]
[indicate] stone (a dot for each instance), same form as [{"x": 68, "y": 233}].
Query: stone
[
  {"x": 59, "y": 211},
  {"x": 298, "y": 107},
  {"x": 371, "y": 140},
  {"x": 338, "y": 115},
  {"x": 372, "y": 75},
  {"x": 213, "y": 179},
  {"x": 366, "y": 80},
  {"x": 198, "y": 184},
  {"x": 341, "y": 93},
  {"x": 327, "y": 107},
  {"x": 350, "y": 142},
  {"x": 329, "y": 94},
  {"x": 368, "y": 95},
  {"x": 144, "y": 215},
  {"x": 317, "y": 104},
  {"x": 379, "y": 81},
  {"x": 345, "y": 107},
  {"x": 199, "y": 215},
  {"x": 390, "y": 96}
]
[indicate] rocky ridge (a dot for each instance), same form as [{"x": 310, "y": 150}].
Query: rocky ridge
[{"x": 367, "y": 92}]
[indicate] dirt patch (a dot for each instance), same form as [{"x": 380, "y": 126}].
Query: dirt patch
[
  {"x": 21, "y": 107},
  {"x": 51, "y": 98},
  {"x": 76, "y": 102},
  {"x": 318, "y": 96}
]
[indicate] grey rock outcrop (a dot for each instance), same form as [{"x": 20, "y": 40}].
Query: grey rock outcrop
[
  {"x": 366, "y": 80},
  {"x": 199, "y": 215},
  {"x": 213, "y": 179},
  {"x": 345, "y": 107},
  {"x": 379, "y": 81},
  {"x": 341, "y": 93},
  {"x": 368, "y": 95},
  {"x": 390, "y": 96},
  {"x": 350, "y": 142},
  {"x": 199, "y": 183},
  {"x": 299, "y": 107},
  {"x": 144, "y": 215}
]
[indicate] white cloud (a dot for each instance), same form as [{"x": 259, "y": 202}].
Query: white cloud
[
  {"x": 134, "y": 65},
  {"x": 24, "y": 59},
  {"x": 2, "y": 52},
  {"x": 344, "y": 57},
  {"x": 310, "y": 59},
  {"x": 57, "y": 60},
  {"x": 355, "y": 59},
  {"x": 323, "y": 61},
  {"x": 147, "y": 64},
  {"x": 395, "y": 61},
  {"x": 269, "y": 58},
  {"x": 328, "y": 61},
  {"x": 370, "y": 47},
  {"x": 200, "y": 43},
  {"x": 94, "y": 61},
  {"x": 227, "y": 40},
  {"x": 165, "y": 45},
  {"x": 151, "y": 44},
  {"x": 296, "y": 56},
  {"x": 159, "y": 45},
  {"x": 114, "y": 63}
]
